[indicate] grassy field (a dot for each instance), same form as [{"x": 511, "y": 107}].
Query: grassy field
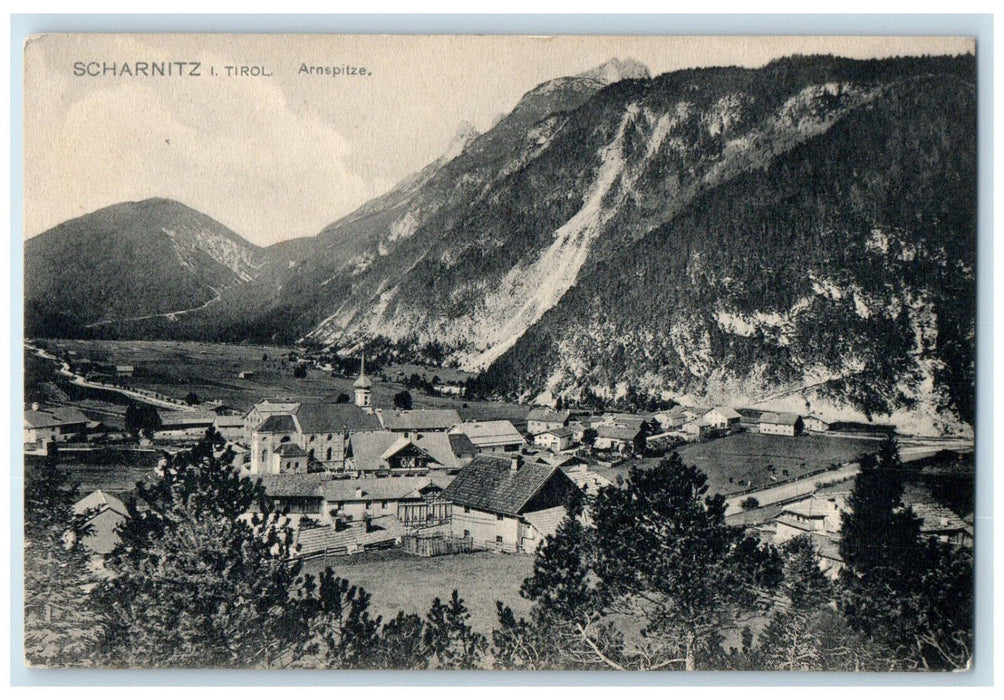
[
  {"x": 114, "y": 472},
  {"x": 211, "y": 371},
  {"x": 744, "y": 458},
  {"x": 399, "y": 581}
]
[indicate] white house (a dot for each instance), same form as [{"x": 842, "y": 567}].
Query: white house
[
  {"x": 542, "y": 419},
  {"x": 44, "y": 425},
  {"x": 554, "y": 439},
  {"x": 789, "y": 424},
  {"x": 722, "y": 418},
  {"x": 816, "y": 424}
]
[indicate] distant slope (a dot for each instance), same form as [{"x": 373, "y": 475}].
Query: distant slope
[{"x": 129, "y": 260}]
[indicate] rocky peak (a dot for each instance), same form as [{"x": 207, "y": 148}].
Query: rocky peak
[{"x": 616, "y": 70}]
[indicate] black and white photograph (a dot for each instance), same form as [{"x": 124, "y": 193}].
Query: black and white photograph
[{"x": 499, "y": 353}]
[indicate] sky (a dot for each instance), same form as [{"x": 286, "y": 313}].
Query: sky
[{"x": 282, "y": 155}]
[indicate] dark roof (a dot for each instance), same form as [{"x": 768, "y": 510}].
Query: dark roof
[
  {"x": 387, "y": 489},
  {"x": 290, "y": 449},
  {"x": 334, "y": 417},
  {"x": 780, "y": 418},
  {"x": 281, "y": 423},
  {"x": 617, "y": 432},
  {"x": 750, "y": 413},
  {"x": 421, "y": 419},
  {"x": 50, "y": 417},
  {"x": 462, "y": 445},
  {"x": 489, "y": 483},
  {"x": 294, "y": 485},
  {"x": 546, "y": 415}
]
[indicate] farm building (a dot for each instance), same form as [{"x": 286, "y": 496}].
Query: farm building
[
  {"x": 619, "y": 438},
  {"x": 419, "y": 420},
  {"x": 383, "y": 452},
  {"x": 246, "y": 374},
  {"x": 297, "y": 494},
  {"x": 356, "y": 499},
  {"x": 673, "y": 419},
  {"x": 723, "y": 418},
  {"x": 542, "y": 419},
  {"x": 697, "y": 429},
  {"x": 125, "y": 371},
  {"x": 749, "y": 419},
  {"x": 588, "y": 482},
  {"x": 44, "y": 425},
  {"x": 491, "y": 435},
  {"x": 106, "y": 513},
  {"x": 184, "y": 424},
  {"x": 816, "y": 424},
  {"x": 554, "y": 439},
  {"x": 508, "y": 504},
  {"x": 789, "y": 424},
  {"x": 580, "y": 425}
]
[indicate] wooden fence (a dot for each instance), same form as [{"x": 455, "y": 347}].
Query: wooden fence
[{"x": 436, "y": 545}]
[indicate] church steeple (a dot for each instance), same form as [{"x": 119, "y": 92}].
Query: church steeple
[{"x": 363, "y": 386}]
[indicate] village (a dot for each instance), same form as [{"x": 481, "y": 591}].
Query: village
[{"x": 352, "y": 476}]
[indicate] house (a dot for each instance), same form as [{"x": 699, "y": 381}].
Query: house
[
  {"x": 104, "y": 515},
  {"x": 673, "y": 419},
  {"x": 289, "y": 458},
  {"x": 231, "y": 428},
  {"x": 356, "y": 499},
  {"x": 542, "y": 419},
  {"x": 935, "y": 519},
  {"x": 419, "y": 420},
  {"x": 697, "y": 429},
  {"x": 491, "y": 436},
  {"x": 619, "y": 438},
  {"x": 554, "y": 439},
  {"x": 246, "y": 374},
  {"x": 322, "y": 430},
  {"x": 580, "y": 425},
  {"x": 497, "y": 501},
  {"x": 383, "y": 452},
  {"x": 297, "y": 494},
  {"x": 789, "y": 424},
  {"x": 184, "y": 424},
  {"x": 627, "y": 420},
  {"x": 124, "y": 370},
  {"x": 816, "y": 424},
  {"x": 56, "y": 424},
  {"x": 723, "y": 418}
]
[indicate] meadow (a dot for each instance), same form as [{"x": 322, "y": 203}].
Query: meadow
[
  {"x": 399, "y": 581},
  {"x": 211, "y": 370}
]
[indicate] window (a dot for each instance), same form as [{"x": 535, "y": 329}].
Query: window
[
  {"x": 498, "y": 539},
  {"x": 500, "y": 517},
  {"x": 383, "y": 504},
  {"x": 329, "y": 436},
  {"x": 467, "y": 534},
  {"x": 467, "y": 509},
  {"x": 312, "y": 437},
  {"x": 329, "y": 454}
]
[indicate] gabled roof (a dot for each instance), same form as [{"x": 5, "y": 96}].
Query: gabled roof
[
  {"x": 546, "y": 521},
  {"x": 186, "y": 417},
  {"x": 489, "y": 483},
  {"x": 420, "y": 419},
  {"x": 780, "y": 418},
  {"x": 813, "y": 416},
  {"x": 490, "y": 432},
  {"x": 617, "y": 432},
  {"x": 334, "y": 417},
  {"x": 750, "y": 413},
  {"x": 371, "y": 450},
  {"x": 726, "y": 412},
  {"x": 101, "y": 501},
  {"x": 294, "y": 485},
  {"x": 229, "y": 422},
  {"x": 392, "y": 488},
  {"x": 547, "y": 415},
  {"x": 268, "y": 406},
  {"x": 279, "y": 423},
  {"x": 52, "y": 417}
]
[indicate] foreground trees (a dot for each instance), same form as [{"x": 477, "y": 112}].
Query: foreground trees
[{"x": 654, "y": 583}]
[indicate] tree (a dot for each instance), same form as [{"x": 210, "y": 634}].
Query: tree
[
  {"x": 204, "y": 576},
  {"x": 59, "y": 627},
  {"x": 402, "y": 400},
  {"x": 300, "y": 372},
  {"x": 911, "y": 595},
  {"x": 342, "y": 398},
  {"x": 191, "y": 398},
  {"x": 657, "y": 578},
  {"x": 749, "y": 503},
  {"x": 141, "y": 419},
  {"x": 449, "y": 641},
  {"x": 589, "y": 436}
]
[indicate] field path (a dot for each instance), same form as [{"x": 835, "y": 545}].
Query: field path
[
  {"x": 172, "y": 315},
  {"x": 792, "y": 490}
]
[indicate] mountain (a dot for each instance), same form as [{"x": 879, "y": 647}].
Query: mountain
[
  {"x": 129, "y": 260},
  {"x": 802, "y": 232}
]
